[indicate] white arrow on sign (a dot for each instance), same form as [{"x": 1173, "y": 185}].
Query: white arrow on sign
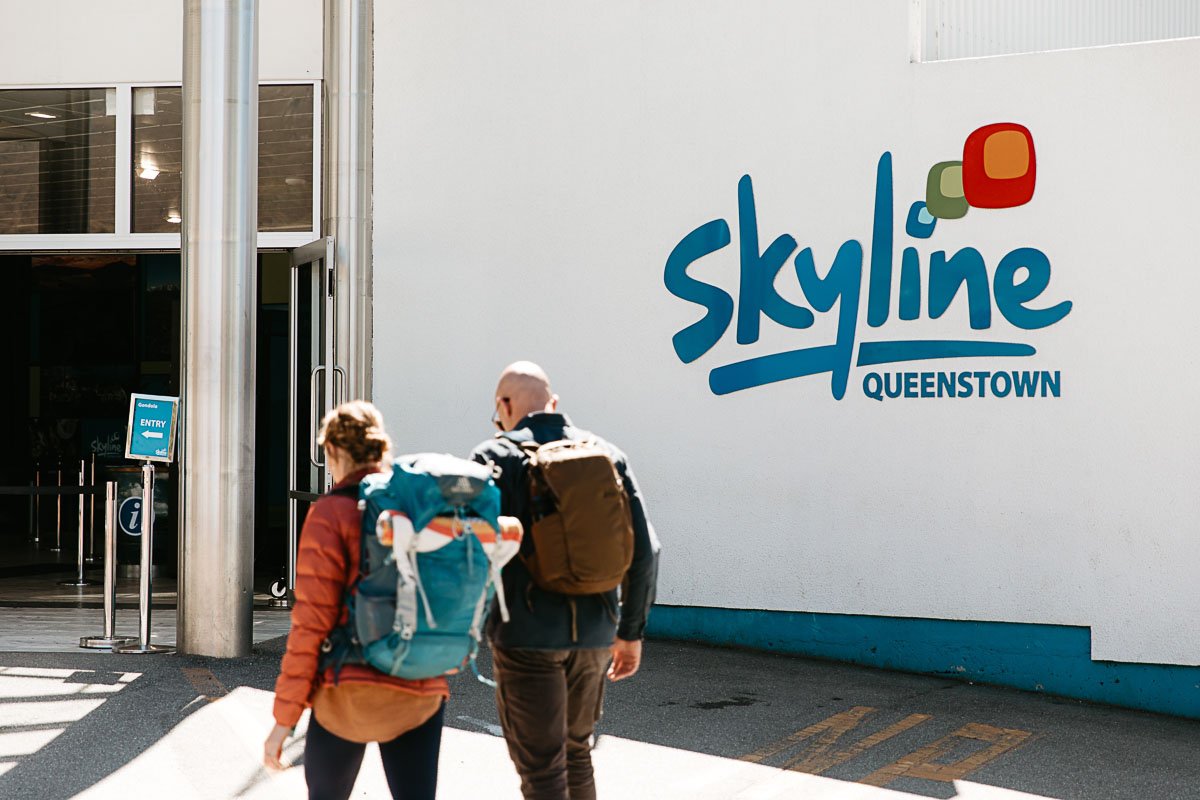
[{"x": 152, "y": 434}]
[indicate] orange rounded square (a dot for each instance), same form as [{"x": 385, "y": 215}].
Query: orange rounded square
[{"x": 1006, "y": 155}]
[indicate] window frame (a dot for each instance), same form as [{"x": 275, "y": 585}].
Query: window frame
[{"x": 123, "y": 239}]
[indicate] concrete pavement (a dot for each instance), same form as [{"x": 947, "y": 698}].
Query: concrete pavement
[{"x": 697, "y": 722}]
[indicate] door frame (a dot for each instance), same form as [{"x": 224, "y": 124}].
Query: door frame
[{"x": 326, "y": 386}]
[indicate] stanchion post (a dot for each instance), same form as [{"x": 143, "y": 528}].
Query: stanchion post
[
  {"x": 144, "y": 593},
  {"x": 37, "y": 502},
  {"x": 92, "y": 513},
  {"x": 58, "y": 516},
  {"x": 80, "y": 580},
  {"x": 110, "y": 638},
  {"x": 32, "y": 529}
]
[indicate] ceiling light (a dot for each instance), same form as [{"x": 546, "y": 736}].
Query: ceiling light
[
  {"x": 148, "y": 171},
  {"x": 174, "y": 218},
  {"x": 295, "y": 181},
  {"x": 41, "y": 115}
]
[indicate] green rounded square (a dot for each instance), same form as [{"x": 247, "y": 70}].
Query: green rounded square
[{"x": 944, "y": 196}]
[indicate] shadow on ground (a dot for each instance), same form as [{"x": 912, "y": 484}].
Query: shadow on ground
[
  {"x": 63, "y": 733},
  {"x": 909, "y": 733},
  {"x": 69, "y": 720}
]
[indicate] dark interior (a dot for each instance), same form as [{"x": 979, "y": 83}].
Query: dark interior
[{"x": 81, "y": 332}]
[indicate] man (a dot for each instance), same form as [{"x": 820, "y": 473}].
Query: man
[{"x": 552, "y": 655}]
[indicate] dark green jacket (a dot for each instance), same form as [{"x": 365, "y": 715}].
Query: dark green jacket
[{"x": 544, "y": 620}]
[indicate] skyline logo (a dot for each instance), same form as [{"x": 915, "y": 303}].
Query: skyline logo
[{"x": 998, "y": 170}]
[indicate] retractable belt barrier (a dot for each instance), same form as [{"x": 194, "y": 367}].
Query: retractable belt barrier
[
  {"x": 36, "y": 491},
  {"x": 109, "y": 639},
  {"x": 80, "y": 578},
  {"x": 51, "y": 490}
]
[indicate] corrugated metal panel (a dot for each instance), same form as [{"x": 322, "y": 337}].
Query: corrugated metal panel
[{"x": 971, "y": 28}]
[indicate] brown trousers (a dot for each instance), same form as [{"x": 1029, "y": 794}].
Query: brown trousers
[{"x": 549, "y": 703}]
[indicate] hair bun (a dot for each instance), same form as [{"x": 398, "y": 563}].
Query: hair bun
[{"x": 357, "y": 428}]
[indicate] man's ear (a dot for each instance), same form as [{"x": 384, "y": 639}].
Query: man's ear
[{"x": 554, "y": 402}]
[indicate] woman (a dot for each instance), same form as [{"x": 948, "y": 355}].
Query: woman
[{"x": 363, "y": 705}]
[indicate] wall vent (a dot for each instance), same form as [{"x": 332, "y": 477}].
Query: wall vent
[{"x": 949, "y": 29}]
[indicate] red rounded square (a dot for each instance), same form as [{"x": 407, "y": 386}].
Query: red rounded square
[{"x": 999, "y": 166}]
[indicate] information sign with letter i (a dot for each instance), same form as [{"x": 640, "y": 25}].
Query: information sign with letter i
[{"x": 152, "y": 423}]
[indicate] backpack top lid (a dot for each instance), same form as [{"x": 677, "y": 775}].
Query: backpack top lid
[{"x": 424, "y": 485}]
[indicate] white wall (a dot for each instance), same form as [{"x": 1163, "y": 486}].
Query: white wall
[
  {"x": 537, "y": 162},
  {"x": 69, "y": 42}
]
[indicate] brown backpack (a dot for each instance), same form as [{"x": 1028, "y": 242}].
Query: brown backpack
[{"x": 582, "y": 531}]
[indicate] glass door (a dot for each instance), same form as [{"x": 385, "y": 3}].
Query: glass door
[{"x": 316, "y": 384}]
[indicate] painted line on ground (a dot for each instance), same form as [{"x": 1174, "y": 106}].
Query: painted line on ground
[
  {"x": 921, "y": 764},
  {"x": 925, "y": 762},
  {"x": 204, "y": 682}
]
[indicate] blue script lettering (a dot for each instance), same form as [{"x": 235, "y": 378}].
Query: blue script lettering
[
  {"x": 842, "y": 286},
  {"x": 759, "y": 270},
  {"x": 1011, "y": 296},
  {"x": 698, "y": 338}
]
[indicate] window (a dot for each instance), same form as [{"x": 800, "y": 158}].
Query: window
[
  {"x": 157, "y": 159},
  {"x": 57, "y": 161},
  {"x": 285, "y": 158},
  {"x": 94, "y": 168}
]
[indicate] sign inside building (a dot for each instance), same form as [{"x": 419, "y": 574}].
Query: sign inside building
[{"x": 152, "y": 423}]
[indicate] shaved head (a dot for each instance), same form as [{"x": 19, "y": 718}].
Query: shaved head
[{"x": 523, "y": 389}]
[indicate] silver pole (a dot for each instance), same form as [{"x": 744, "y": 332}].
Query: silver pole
[
  {"x": 145, "y": 584},
  {"x": 58, "y": 517},
  {"x": 92, "y": 514},
  {"x": 147, "y": 570},
  {"x": 110, "y": 638},
  {"x": 80, "y": 580},
  {"x": 220, "y": 194},
  {"x": 348, "y": 119},
  {"x": 37, "y": 507},
  {"x": 79, "y": 522}
]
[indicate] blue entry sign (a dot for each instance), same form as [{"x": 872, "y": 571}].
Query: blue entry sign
[{"x": 151, "y": 435}]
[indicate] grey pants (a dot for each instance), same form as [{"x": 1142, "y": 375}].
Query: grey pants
[{"x": 549, "y": 703}]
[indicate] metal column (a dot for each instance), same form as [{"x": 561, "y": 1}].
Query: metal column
[
  {"x": 346, "y": 216},
  {"x": 220, "y": 169}
]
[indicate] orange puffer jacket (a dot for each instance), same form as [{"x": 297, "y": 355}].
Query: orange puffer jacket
[{"x": 326, "y": 565}]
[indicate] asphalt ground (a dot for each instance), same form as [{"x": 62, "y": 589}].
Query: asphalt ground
[{"x": 70, "y": 721}]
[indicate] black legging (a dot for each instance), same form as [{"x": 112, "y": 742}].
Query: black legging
[{"x": 410, "y": 762}]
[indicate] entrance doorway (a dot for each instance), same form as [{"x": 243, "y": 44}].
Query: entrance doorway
[
  {"x": 316, "y": 384},
  {"x": 82, "y": 331}
]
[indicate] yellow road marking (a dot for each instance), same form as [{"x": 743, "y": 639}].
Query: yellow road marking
[
  {"x": 204, "y": 682},
  {"x": 817, "y": 758},
  {"x": 838, "y": 724},
  {"x": 920, "y": 764}
]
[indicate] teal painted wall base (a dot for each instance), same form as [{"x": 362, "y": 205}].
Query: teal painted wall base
[{"x": 1044, "y": 658}]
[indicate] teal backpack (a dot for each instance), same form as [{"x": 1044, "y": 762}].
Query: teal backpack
[{"x": 432, "y": 550}]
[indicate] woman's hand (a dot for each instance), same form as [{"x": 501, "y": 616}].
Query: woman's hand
[{"x": 273, "y": 746}]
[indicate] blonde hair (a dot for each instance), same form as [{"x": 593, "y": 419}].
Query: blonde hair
[{"x": 357, "y": 428}]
